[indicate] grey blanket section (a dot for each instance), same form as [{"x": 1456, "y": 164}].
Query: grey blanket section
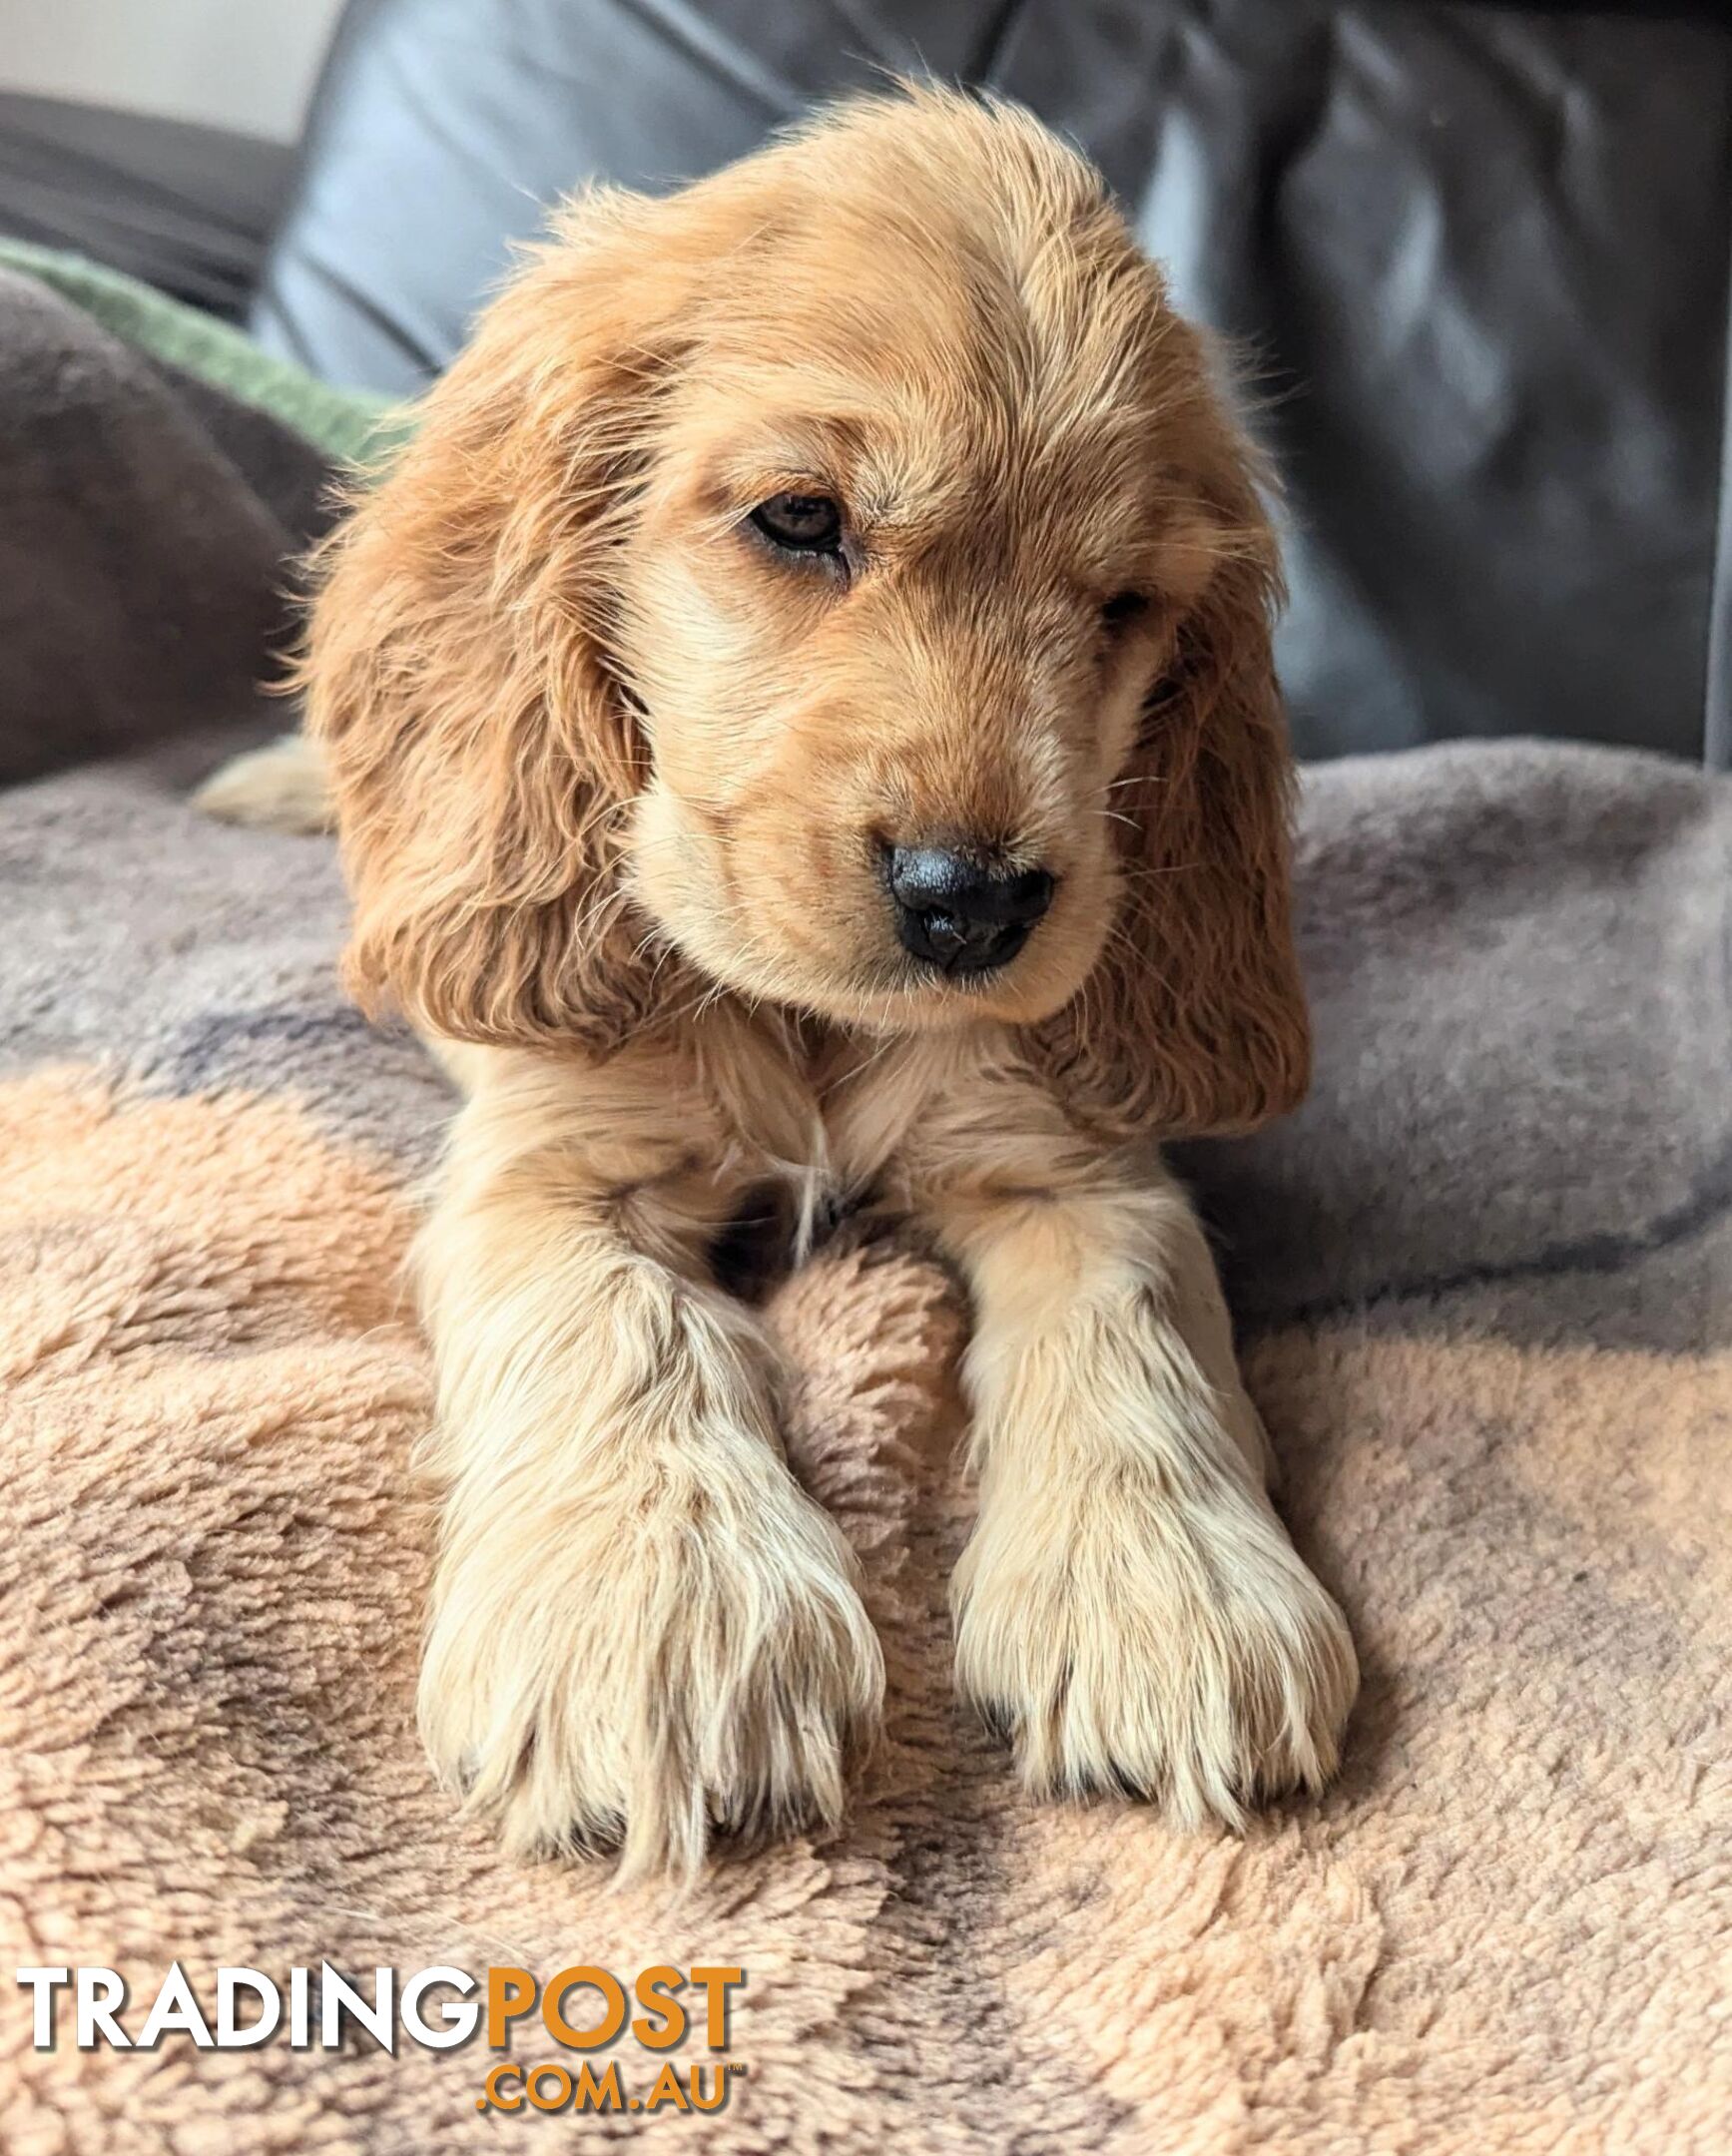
[
  {"x": 1520, "y": 964},
  {"x": 1517, "y": 954},
  {"x": 146, "y": 524}
]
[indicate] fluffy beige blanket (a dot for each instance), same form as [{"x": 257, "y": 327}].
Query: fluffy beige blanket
[{"x": 1485, "y": 1285}]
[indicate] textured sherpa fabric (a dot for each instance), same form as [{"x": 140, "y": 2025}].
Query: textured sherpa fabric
[{"x": 1485, "y": 1280}]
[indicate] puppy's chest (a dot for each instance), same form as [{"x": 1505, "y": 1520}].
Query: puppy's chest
[
  {"x": 775, "y": 1228},
  {"x": 788, "y": 1096},
  {"x": 814, "y": 1152}
]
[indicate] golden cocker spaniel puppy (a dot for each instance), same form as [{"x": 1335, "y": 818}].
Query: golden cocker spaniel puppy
[{"x": 800, "y": 712}]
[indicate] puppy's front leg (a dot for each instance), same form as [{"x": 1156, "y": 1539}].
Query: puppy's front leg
[
  {"x": 641, "y": 1629},
  {"x": 1130, "y": 1603}
]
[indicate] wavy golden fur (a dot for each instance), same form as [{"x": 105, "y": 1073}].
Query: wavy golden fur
[{"x": 616, "y": 774}]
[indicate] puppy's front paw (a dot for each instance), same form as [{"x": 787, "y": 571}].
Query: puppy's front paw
[
  {"x": 646, "y": 1678},
  {"x": 1138, "y": 1643}
]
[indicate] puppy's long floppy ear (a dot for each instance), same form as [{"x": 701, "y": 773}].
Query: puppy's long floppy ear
[
  {"x": 1194, "y": 1019},
  {"x": 482, "y": 751}
]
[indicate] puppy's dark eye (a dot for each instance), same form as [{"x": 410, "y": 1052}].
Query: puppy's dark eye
[
  {"x": 1123, "y": 609},
  {"x": 801, "y": 523}
]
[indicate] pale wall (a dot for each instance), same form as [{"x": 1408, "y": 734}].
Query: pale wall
[{"x": 246, "y": 64}]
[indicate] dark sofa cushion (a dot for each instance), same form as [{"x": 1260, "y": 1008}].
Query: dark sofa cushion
[
  {"x": 188, "y": 209},
  {"x": 1477, "y": 256}
]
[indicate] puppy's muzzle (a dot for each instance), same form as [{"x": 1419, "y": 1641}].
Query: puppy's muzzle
[{"x": 962, "y": 916}]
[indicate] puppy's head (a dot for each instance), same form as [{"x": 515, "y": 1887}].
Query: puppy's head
[{"x": 837, "y": 584}]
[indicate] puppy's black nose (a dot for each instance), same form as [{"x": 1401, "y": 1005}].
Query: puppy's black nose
[{"x": 961, "y": 916}]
